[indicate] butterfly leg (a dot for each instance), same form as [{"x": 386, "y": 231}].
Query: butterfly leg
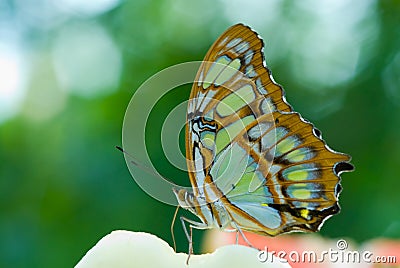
[
  {"x": 189, "y": 237},
  {"x": 192, "y": 224},
  {"x": 239, "y": 231},
  {"x": 190, "y": 244},
  {"x": 236, "y": 232}
]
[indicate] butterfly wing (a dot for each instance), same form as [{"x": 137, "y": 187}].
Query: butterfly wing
[{"x": 246, "y": 147}]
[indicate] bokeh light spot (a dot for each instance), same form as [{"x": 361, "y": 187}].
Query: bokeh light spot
[
  {"x": 87, "y": 62},
  {"x": 12, "y": 78}
]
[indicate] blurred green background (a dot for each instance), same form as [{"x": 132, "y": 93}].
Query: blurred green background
[{"x": 68, "y": 69}]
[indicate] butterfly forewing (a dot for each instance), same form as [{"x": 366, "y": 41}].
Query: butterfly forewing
[
  {"x": 233, "y": 64},
  {"x": 246, "y": 147}
]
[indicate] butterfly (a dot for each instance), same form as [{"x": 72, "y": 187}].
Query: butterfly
[{"x": 254, "y": 164}]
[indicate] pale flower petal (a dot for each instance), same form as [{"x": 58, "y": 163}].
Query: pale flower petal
[{"x": 133, "y": 249}]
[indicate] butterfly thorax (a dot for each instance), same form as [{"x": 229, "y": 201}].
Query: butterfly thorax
[{"x": 211, "y": 214}]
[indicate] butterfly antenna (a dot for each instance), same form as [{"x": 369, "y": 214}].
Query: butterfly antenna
[
  {"x": 141, "y": 166},
  {"x": 133, "y": 159},
  {"x": 172, "y": 227}
]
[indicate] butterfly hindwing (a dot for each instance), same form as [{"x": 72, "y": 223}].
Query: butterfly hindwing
[{"x": 296, "y": 189}]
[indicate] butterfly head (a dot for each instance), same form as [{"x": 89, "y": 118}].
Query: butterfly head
[{"x": 185, "y": 199}]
